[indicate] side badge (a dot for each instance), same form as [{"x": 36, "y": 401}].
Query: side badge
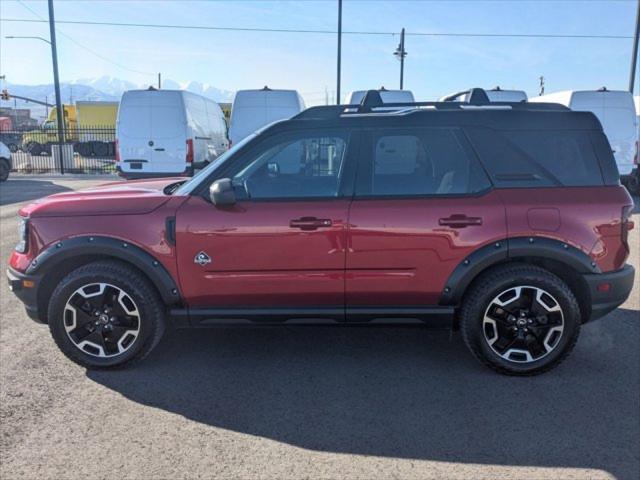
[{"x": 201, "y": 259}]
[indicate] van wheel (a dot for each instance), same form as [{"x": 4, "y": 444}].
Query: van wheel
[
  {"x": 105, "y": 314},
  {"x": 520, "y": 319}
]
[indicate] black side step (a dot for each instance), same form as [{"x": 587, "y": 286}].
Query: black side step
[{"x": 436, "y": 316}]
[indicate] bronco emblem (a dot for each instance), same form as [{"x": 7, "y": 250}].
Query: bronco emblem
[{"x": 202, "y": 259}]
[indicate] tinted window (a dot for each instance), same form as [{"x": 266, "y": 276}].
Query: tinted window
[
  {"x": 301, "y": 167},
  {"x": 536, "y": 158},
  {"x": 419, "y": 162}
]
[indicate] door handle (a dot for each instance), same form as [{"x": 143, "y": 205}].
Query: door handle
[
  {"x": 159, "y": 149},
  {"x": 459, "y": 221},
  {"x": 310, "y": 223}
]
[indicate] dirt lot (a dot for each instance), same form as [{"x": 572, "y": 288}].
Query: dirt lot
[{"x": 311, "y": 402}]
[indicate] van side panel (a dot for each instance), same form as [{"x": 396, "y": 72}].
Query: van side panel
[{"x": 253, "y": 109}]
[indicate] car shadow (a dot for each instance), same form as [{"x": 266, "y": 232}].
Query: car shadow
[
  {"x": 400, "y": 392},
  {"x": 22, "y": 190}
]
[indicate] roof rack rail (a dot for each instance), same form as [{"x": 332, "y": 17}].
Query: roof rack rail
[
  {"x": 476, "y": 96},
  {"x": 372, "y": 104}
]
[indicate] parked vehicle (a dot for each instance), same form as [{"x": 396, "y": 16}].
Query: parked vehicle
[
  {"x": 8, "y": 136},
  {"x": 96, "y": 122},
  {"x": 495, "y": 95},
  {"x": 167, "y": 132},
  {"x": 388, "y": 96},
  {"x": 507, "y": 223},
  {"x": 37, "y": 142},
  {"x": 633, "y": 182},
  {"x": 253, "y": 109},
  {"x": 5, "y": 162},
  {"x": 88, "y": 126},
  {"x": 616, "y": 112}
]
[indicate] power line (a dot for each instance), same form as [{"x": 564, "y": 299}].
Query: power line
[
  {"x": 331, "y": 32},
  {"x": 71, "y": 39}
]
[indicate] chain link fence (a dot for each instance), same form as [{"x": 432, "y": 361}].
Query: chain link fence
[{"x": 85, "y": 150}]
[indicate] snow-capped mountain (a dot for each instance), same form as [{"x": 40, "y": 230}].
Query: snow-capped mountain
[
  {"x": 107, "y": 84},
  {"x": 104, "y": 88},
  {"x": 116, "y": 86}
]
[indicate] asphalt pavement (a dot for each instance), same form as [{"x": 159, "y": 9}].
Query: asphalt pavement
[{"x": 311, "y": 402}]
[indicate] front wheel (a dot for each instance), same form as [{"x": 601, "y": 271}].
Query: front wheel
[
  {"x": 105, "y": 314},
  {"x": 520, "y": 319}
]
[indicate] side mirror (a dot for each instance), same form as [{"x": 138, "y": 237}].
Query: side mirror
[{"x": 221, "y": 192}]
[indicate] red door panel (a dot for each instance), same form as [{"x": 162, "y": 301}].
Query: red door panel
[
  {"x": 402, "y": 251},
  {"x": 273, "y": 253}
]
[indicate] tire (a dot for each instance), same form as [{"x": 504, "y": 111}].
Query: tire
[
  {"x": 546, "y": 325},
  {"x": 100, "y": 149},
  {"x": 34, "y": 148},
  {"x": 84, "y": 149},
  {"x": 136, "y": 318},
  {"x": 5, "y": 168}
]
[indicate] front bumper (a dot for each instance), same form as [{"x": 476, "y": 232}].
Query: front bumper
[
  {"x": 27, "y": 294},
  {"x": 605, "y": 298}
]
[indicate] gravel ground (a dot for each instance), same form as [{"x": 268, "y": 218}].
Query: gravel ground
[{"x": 311, "y": 402}]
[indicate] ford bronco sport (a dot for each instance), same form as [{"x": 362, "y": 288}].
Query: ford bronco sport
[{"x": 505, "y": 221}]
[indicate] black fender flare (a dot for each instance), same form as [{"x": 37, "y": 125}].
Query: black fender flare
[
  {"x": 512, "y": 249},
  {"x": 67, "y": 249}
]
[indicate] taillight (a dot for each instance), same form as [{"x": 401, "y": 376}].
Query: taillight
[
  {"x": 230, "y": 143},
  {"x": 627, "y": 223},
  {"x": 189, "y": 150},
  {"x": 117, "y": 152}
]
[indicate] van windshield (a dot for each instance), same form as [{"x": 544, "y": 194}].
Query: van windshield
[{"x": 187, "y": 187}]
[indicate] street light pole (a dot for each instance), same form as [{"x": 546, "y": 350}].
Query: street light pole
[
  {"x": 56, "y": 81},
  {"x": 634, "y": 54},
  {"x": 401, "y": 53},
  {"x": 339, "y": 50}
]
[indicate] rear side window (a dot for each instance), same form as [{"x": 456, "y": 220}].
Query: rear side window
[
  {"x": 418, "y": 162},
  {"x": 535, "y": 158}
]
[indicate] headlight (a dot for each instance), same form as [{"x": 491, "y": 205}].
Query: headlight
[{"x": 23, "y": 235}]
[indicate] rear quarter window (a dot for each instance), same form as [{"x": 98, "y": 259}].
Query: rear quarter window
[{"x": 538, "y": 158}]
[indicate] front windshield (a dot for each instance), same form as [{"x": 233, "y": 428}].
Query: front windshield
[{"x": 189, "y": 185}]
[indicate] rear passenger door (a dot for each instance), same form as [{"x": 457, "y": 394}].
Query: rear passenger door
[{"x": 422, "y": 203}]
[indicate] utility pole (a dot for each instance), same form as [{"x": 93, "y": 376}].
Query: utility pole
[
  {"x": 541, "y": 78},
  {"x": 159, "y": 81},
  {"x": 401, "y": 53},
  {"x": 634, "y": 54},
  {"x": 339, "y": 50},
  {"x": 56, "y": 81}
]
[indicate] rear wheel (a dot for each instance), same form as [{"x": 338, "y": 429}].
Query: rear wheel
[
  {"x": 105, "y": 314},
  {"x": 34, "y": 148},
  {"x": 520, "y": 319}
]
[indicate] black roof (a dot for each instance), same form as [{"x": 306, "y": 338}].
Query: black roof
[{"x": 478, "y": 111}]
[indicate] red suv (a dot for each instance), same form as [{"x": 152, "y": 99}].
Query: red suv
[{"x": 506, "y": 221}]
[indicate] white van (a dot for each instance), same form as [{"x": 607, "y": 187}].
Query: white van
[
  {"x": 495, "y": 95},
  {"x": 387, "y": 96},
  {"x": 253, "y": 109},
  {"x": 616, "y": 112},
  {"x": 167, "y": 132}
]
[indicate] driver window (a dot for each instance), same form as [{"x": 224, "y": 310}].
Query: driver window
[{"x": 304, "y": 167}]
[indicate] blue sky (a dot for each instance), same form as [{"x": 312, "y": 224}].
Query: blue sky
[{"x": 307, "y": 62}]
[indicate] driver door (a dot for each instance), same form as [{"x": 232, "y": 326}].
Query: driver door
[{"x": 283, "y": 243}]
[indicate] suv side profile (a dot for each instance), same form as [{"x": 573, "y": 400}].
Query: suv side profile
[{"x": 506, "y": 221}]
